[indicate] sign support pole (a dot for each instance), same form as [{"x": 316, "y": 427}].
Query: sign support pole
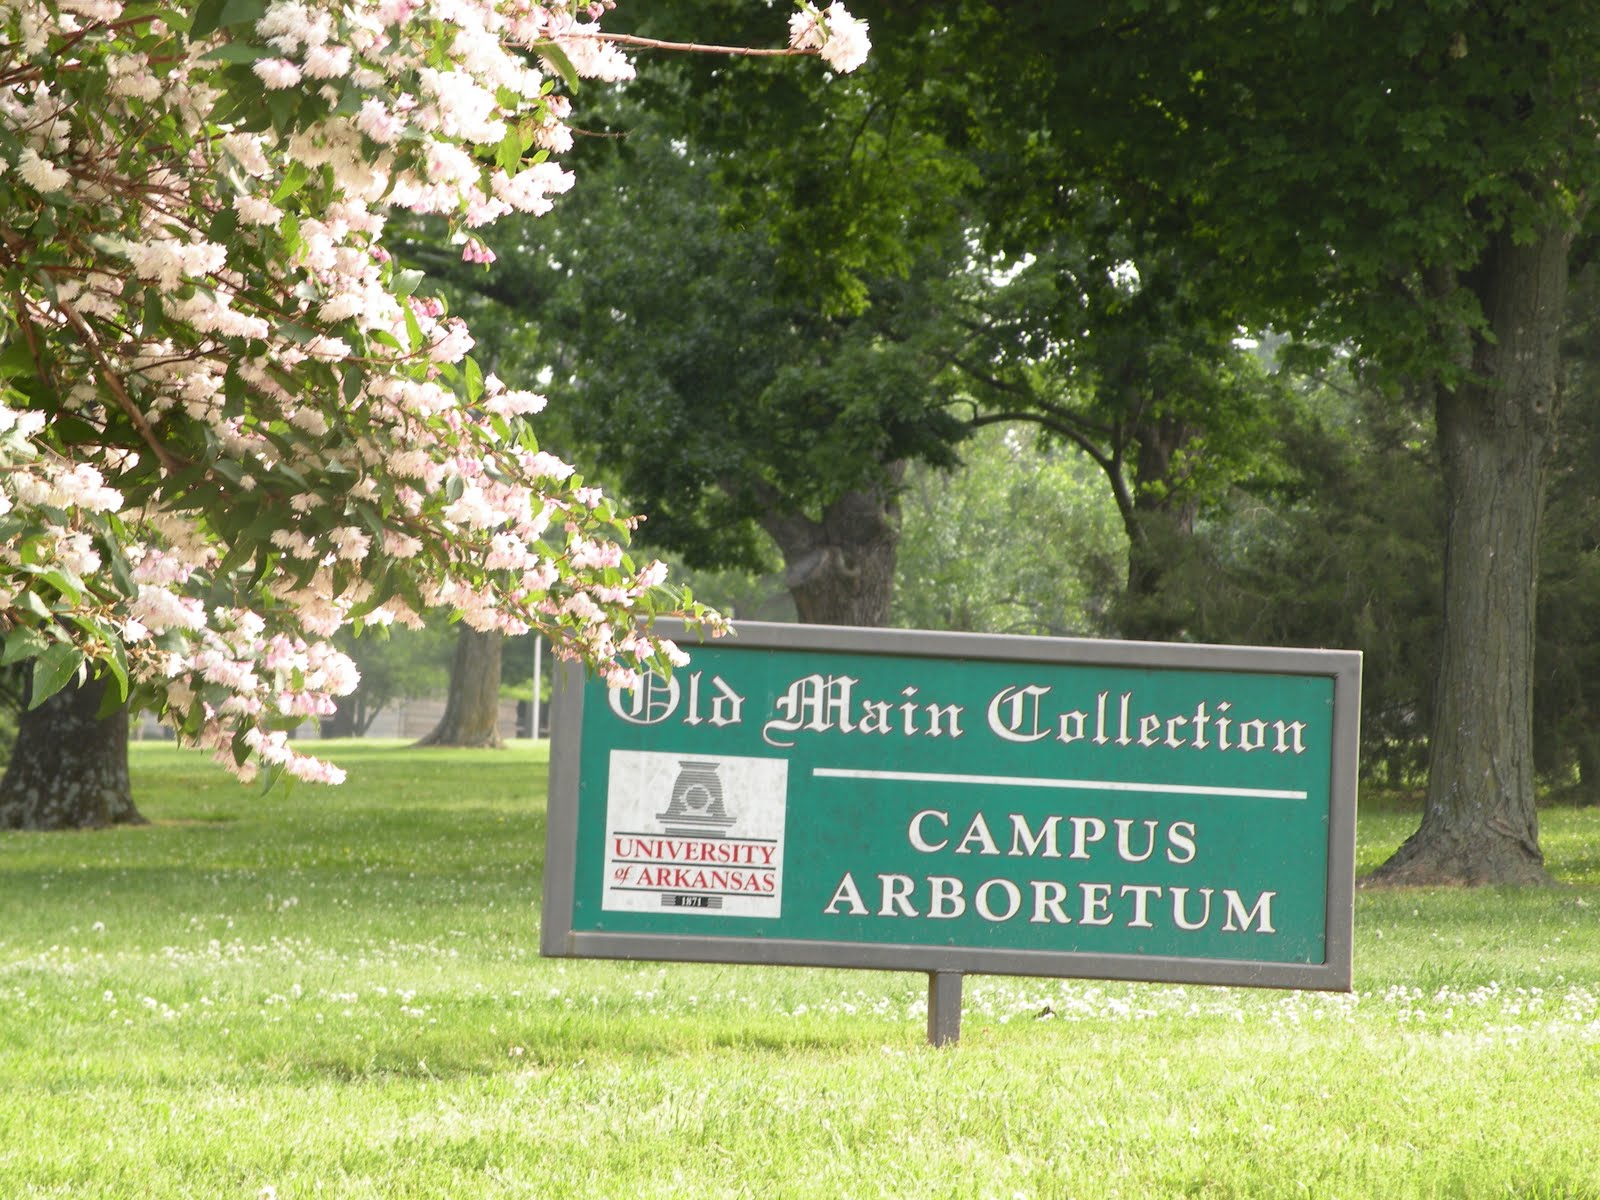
[{"x": 944, "y": 1007}]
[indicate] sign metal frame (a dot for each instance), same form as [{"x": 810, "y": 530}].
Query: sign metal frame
[{"x": 946, "y": 963}]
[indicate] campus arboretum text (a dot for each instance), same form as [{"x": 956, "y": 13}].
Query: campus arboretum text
[{"x": 961, "y": 834}]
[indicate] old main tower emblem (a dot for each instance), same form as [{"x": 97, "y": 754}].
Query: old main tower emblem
[{"x": 697, "y": 804}]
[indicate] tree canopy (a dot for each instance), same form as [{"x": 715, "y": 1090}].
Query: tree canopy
[
  {"x": 738, "y": 408},
  {"x": 1404, "y": 180},
  {"x": 1407, "y": 179}
]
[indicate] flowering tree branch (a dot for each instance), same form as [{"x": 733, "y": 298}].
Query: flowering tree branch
[
  {"x": 229, "y": 424},
  {"x": 113, "y": 384},
  {"x": 649, "y": 43}
]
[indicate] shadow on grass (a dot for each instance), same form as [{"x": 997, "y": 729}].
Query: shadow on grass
[{"x": 561, "y": 1045}]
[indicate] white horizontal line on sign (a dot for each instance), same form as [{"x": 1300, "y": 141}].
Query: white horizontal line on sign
[{"x": 1088, "y": 785}]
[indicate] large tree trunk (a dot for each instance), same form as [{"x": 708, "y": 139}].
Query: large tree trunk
[
  {"x": 1159, "y": 517},
  {"x": 69, "y": 768},
  {"x": 840, "y": 569},
  {"x": 472, "y": 708},
  {"x": 345, "y": 720},
  {"x": 1495, "y": 431},
  {"x": 351, "y": 718}
]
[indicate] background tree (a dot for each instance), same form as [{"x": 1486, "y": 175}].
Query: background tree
[
  {"x": 1018, "y": 538},
  {"x": 739, "y": 410},
  {"x": 1567, "y": 654},
  {"x": 1073, "y": 317},
  {"x": 69, "y": 764},
  {"x": 1404, "y": 179},
  {"x": 1106, "y": 349},
  {"x": 399, "y": 665},
  {"x": 1343, "y": 550},
  {"x": 471, "y": 714}
]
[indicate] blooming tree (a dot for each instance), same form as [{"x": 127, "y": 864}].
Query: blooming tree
[{"x": 230, "y": 424}]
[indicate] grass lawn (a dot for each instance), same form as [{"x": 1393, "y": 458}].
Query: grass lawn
[{"x": 338, "y": 993}]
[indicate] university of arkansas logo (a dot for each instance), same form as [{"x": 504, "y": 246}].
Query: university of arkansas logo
[
  {"x": 697, "y": 805},
  {"x": 695, "y": 834}
]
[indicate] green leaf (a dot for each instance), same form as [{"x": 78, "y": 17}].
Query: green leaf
[
  {"x": 64, "y": 581},
  {"x": 294, "y": 178},
  {"x": 474, "y": 376},
  {"x": 121, "y": 573},
  {"x": 223, "y": 226},
  {"x": 276, "y": 783},
  {"x": 241, "y": 12},
  {"x": 289, "y": 231},
  {"x": 235, "y": 558},
  {"x": 414, "y": 330},
  {"x": 116, "y": 695},
  {"x": 17, "y": 359},
  {"x": 557, "y": 58},
  {"x": 22, "y": 643},
  {"x": 52, "y": 670},
  {"x": 508, "y": 155},
  {"x": 238, "y": 52},
  {"x": 404, "y": 284},
  {"x": 373, "y": 520},
  {"x": 207, "y": 18},
  {"x": 74, "y": 430},
  {"x": 297, "y": 332},
  {"x": 31, "y": 601}
]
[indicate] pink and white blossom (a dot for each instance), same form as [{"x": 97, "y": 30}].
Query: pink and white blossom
[
  {"x": 222, "y": 299},
  {"x": 833, "y": 33},
  {"x": 40, "y": 173},
  {"x": 277, "y": 73}
]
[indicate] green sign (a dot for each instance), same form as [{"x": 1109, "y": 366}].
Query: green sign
[{"x": 963, "y": 803}]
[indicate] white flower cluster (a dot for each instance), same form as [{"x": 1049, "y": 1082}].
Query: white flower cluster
[{"x": 833, "y": 33}]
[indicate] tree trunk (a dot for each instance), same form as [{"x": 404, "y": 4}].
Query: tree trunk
[
  {"x": 1496, "y": 428},
  {"x": 345, "y": 720},
  {"x": 1588, "y": 788},
  {"x": 352, "y": 716},
  {"x": 840, "y": 569},
  {"x": 472, "y": 708},
  {"x": 1159, "y": 519},
  {"x": 69, "y": 768}
]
